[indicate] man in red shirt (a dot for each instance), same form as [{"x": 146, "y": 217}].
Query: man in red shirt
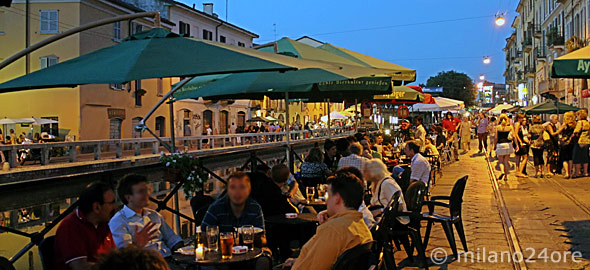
[
  {"x": 85, "y": 233},
  {"x": 451, "y": 123}
]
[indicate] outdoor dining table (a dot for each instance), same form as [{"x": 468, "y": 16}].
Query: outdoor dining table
[
  {"x": 280, "y": 229},
  {"x": 318, "y": 205},
  {"x": 305, "y": 218},
  {"x": 213, "y": 259}
]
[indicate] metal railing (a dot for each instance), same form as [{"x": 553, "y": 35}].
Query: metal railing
[{"x": 84, "y": 151}]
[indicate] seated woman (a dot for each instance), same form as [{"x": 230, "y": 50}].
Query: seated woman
[
  {"x": 383, "y": 187},
  {"x": 429, "y": 148},
  {"x": 314, "y": 171}
]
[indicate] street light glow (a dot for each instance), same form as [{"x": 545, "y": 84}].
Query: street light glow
[
  {"x": 486, "y": 60},
  {"x": 482, "y": 77},
  {"x": 500, "y": 21}
]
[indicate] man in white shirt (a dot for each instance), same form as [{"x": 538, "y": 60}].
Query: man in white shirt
[
  {"x": 420, "y": 166},
  {"x": 355, "y": 159},
  {"x": 420, "y": 133}
]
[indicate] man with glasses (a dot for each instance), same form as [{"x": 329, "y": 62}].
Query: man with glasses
[
  {"x": 84, "y": 234},
  {"x": 138, "y": 225}
]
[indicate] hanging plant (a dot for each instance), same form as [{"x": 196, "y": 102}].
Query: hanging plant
[{"x": 182, "y": 166}]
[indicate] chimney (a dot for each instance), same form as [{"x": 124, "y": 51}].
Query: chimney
[{"x": 208, "y": 8}]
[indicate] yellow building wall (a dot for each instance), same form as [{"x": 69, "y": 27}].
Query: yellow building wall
[{"x": 59, "y": 102}]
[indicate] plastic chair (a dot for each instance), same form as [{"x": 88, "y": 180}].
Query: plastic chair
[
  {"x": 199, "y": 204},
  {"x": 455, "y": 201},
  {"x": 46, "y": 247},
  {"x": 356, "y": 258}
]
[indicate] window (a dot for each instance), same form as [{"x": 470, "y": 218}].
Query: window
[
  {"x": 161, "y": 126},
  {"x": 2, "y": 18},
  {"x": 48, "y": 61},
  {"x": 222, "y": 39},
  {"x": 117, "y": 31},
  {"x": 136, "y": 28},
  {"x": 185, "y": 28},
  {"x": 134, "y": 132},
  {"x": 241, "y": 44},
  {"x": 160, "y": 87},
  {"x": 138, "y": 93},
  {"x": 49, "y": 21},
  {"x": 208, "y": 35},
  {"x": 52, "y": 129},
  {"x": 115, "y": 128}
]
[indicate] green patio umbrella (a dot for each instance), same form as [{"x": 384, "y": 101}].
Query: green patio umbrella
[
  {"x": 348, "y": 83},
  {"x": 572, "y": 65},
  {"x": 157, "y": 53},
  {"x": 401, "y": 73},
  {"x": 549, "y": 107},
  {"x": 401, "y": 93}
]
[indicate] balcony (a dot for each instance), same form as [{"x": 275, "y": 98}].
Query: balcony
[
  {"x": 529, "y": 71},
  {"x": 527, "y": 44},
  {"x": 518, "y": 56},
  {"x": 537, "y": 33},
  {"x": 540, "y": 54},
  {"x": 555, "y": 40}
]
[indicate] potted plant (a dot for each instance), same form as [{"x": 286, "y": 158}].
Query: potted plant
[{"x": 182, "y": 166}]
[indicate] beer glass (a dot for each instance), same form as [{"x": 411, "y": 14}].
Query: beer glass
[
  {"x": 310, "y": 192},
  {"x": 248, "y": 236},
  {"x": 227, "y": 243},
  {"x": 212, "y": 238}
]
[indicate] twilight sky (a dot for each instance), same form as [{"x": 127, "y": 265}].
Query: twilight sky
[{"x": 426, "y": 35}]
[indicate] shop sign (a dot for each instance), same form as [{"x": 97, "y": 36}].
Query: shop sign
[{"x": 403, "y": 112}]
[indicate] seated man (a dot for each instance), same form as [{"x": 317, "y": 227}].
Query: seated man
[
  {"x": 236, "y": 208},
  {"x": 354, "y": 159},
  {"x": 343, "y": 230},
  {"x": 140, "y": 226},
  {"x": 84, "y": 234},
  {"x": 273, "y": 201},
  {"x": 420, "y": 165},
  {"x": 132, "y": 258}
]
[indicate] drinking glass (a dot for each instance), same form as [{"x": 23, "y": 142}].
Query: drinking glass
[
  {"x": 248, "y": 236},
  {"x": 227, "y": 243},
  {"x": 213, "y": 238},
  {"x": 310, "y": 192}
]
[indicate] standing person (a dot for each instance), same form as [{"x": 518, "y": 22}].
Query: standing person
[
  {"x": 580, "y": 154},
  {"x": 331, "y": 156},
  {"x": 233, "y": 128},
  {"x": 552, "y": 129},
  {"x": 538, "y": 145},
  {"x": 420, "y": 133},
  {"x": 451, "y": 123},
  {"x": 84, "y": 234},
  {"x": 503, "y": 145},
  {"x": 482, "y": 132},
  {"x": 465, "y": 130},
  {"x": 522, "y": 142},
  {"x": 566, "y": 142},
  {"x": 492, "y": 133}
]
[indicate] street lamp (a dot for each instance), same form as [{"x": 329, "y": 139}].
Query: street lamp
[
  {"x": 482, "y": 77},
  {"x": 486, "y": 60}
]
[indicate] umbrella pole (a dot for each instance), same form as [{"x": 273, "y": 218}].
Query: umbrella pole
[
  {"x": 329, "y": 120},
  {"x": 173, "y": 143},
  {"x": 287, "y": 129}
]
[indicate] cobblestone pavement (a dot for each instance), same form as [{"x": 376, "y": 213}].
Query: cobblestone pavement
[
  {"x": 550, "y": 216},
  {"x": 551, "y": 219},
  {"x": 481, "y": 219}
]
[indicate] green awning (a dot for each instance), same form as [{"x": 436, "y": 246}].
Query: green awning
[
  {"x": 549, "y": 107},
  {"x": 572, "y": 65}
]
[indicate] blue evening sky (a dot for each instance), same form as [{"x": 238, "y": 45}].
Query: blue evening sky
[{"x": 426, "y": 35}]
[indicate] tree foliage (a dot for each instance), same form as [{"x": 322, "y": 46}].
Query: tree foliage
[{"x": 456, "y": 85}]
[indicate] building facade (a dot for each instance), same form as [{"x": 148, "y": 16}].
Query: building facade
[{"x": 543, "y": 31}]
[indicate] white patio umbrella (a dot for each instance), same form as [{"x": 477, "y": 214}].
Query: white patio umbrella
[
  {"x": 442, "y": 104},
  {"x": 498, "y": 109},
  {"x": 334, "y": 115},
  {"x": 14, "y": 121},
  {"x": 40, "y": 121}
]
